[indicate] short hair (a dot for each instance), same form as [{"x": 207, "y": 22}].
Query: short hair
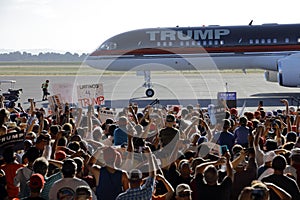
[
  {"x": 111, "y": 129},
  {"x": 31, "y": 154},
  {"x": 243, "y": 120},
  {"x": 271, "y": 144},
  {"x": 210, "y": 173},
  {"x": 40, "y": 165},
  {"x": 54, "y": 129},
  {"x": 8, "y": 154},
  {"x": 84, "y": 191},
  {"x": 69, "y": 168},
  {"x": 226, "y": 124},
  {"x": 291, "y": 136},
  {"x": 67, "y": 127},
  {"x": 62, "y": 141},
  {"x": 79, "y": 164},
  {"x": 74, "y": 145},
  {"x": 97, "y": 133},
  {"x": 279, "y": 163}
]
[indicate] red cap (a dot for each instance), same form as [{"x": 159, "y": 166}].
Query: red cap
[
  {"x": 60, "y": 155},
  {"x": 233, "y": 111},
  {"x": 36, "y": 181}
]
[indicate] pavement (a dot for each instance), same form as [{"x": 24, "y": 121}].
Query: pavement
[{"x": 170, "y": 88}]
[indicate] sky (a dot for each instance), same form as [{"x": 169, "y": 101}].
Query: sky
[{"x": 82, "y": 25}]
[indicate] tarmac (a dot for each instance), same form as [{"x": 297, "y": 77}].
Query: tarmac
[{"x": 170, "y": 89}]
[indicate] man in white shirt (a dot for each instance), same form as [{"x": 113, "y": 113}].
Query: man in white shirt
[{"x": 66, "y": 187}]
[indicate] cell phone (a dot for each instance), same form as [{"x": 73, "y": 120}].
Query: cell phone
[{"x": 224, "y": 149}]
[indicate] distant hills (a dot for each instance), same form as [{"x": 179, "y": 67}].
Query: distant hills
[{"x": 18, "y": 56}]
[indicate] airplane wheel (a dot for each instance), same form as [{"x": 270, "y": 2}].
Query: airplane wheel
[{"x": 149, "y": 92}]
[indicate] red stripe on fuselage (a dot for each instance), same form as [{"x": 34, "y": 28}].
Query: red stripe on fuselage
[{"x": 197, "y": 50}]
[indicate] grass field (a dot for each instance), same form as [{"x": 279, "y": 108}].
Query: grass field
[{"x": 72, "y": 69}]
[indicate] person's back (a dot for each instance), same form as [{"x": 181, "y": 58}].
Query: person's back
[
  {"x": 168, "y": 134},
  {"x": 23, "y": 174},
  {"x": 214, "y": 192},
  {"x": 110, "y": 184},
  {"x": 205, "y": 184},
  {"x": 279, "y": 179},
  {"x": 36, "y": 185},
  {"x": 138, "y": 190},
  {"x": 10, "y": 169},
  {"x": 120, "y": 136},
  {"x": 21, "y": 179},
  {"x": 67, "y": 185},
  {"x": 226, "y": 138},
  {"x": 241, "y": 133}
]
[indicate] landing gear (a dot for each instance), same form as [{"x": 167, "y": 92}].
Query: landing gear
[
  {"x": 149, "y": 92},
  {"x": 148, "y": 84}
]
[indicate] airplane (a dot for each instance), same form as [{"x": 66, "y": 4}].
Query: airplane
[{"x": 272, "y": 47}]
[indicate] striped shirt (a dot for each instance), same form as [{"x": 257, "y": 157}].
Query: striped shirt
[{"x": 143, "y": 192}]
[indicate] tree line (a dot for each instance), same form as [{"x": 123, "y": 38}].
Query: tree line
[{"x": 42, "y": 57}]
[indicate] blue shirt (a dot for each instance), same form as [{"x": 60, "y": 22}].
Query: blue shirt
[
  {"x": 226, "y": 138},
  {"x": 143, "y": 192},
  {"x": 120, "y": 136},
  {"x": 241, "y": 135}
]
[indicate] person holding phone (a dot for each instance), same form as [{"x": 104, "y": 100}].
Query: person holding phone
[{"x": 225, "y": 138}]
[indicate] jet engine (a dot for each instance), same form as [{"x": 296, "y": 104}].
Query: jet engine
[{"x": 289, "y": 71}]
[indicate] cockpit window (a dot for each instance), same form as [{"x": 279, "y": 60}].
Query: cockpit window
[{"x": 108, "y": 46}]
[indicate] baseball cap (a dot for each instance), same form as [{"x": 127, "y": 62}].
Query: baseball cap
[
  {"x": 182, "y": 188},
  {"x": 233, "y": 111},
  {"x": 135, "y": 175},
  {"x": 170, "y": 118},
  {"x": 36, "y": 181},
  {"x": 60, "y": 155}
]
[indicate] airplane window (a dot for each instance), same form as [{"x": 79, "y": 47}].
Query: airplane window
[
  {"x": 269, "y": 41},
  {"x": 298, "y": 40},
  {"x": 251, "y": 41},
  {"x": 216, "y": 42},
  {"x": 210, "y": 42},
  {"x": 158, "y": 44},
  {"x": 140, "y": 43},
  {"x": 287, "y": 40},
  {"x": 263, "y": 41},
  {"x": 108, "y": 46},
  {"x": 257, "y": 41},
  {"x": 204, "y": 43},
  {"x": 193, "y": 43},
  {"x": 181, "y": 43},
  {"x": 187, "y": 43},
  {"x": 199, "y": 43},
  {"x": 164, "y": 44},
  {"x": 222, "y": 42},
  {"x": 170, "y": 43},
  {"x": 274, "y": 40}
]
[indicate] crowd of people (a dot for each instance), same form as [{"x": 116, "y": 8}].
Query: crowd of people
[{"x": 150, "y": 153}]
